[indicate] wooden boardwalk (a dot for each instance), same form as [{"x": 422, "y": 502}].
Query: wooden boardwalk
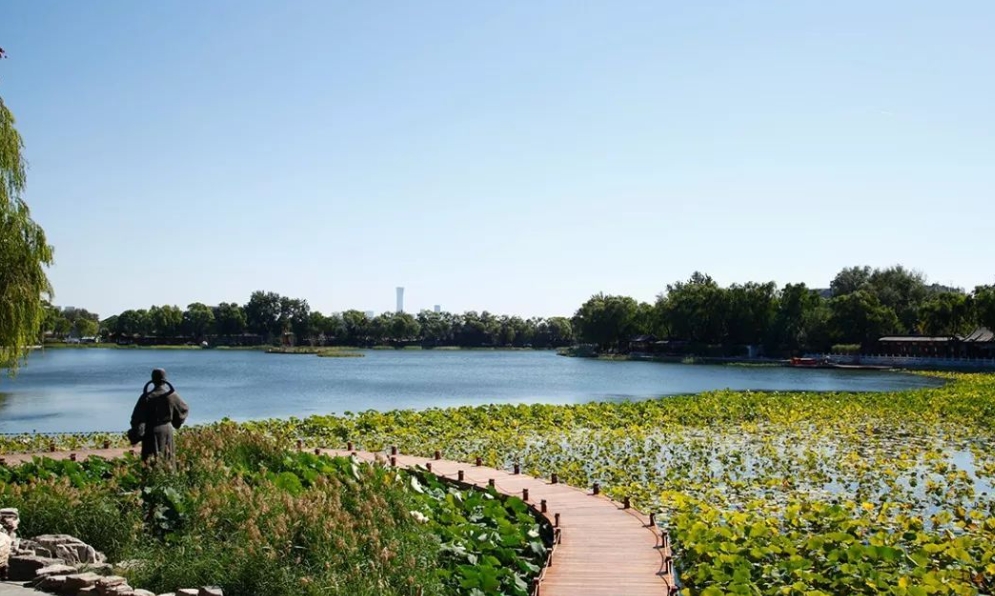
[{"x": 605, "y": 549}]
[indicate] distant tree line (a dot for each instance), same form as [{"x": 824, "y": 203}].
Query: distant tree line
[
  {"x": 272, "y": 318},
  {"x": 860, "y": 306}
]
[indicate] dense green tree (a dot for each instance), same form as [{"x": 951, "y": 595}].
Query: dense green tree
[
  {"x": 946, "y": 313},
  {"x": 436, "y": 328},
  {"x": 695, "y": 310},
  {"x": 984, "y": 306},
  {"x": 166, "y": 320},
  {"x": 86, "y": 327},
  {"x": 229, "y": 319},
  {"x": 357, "y": 328},
  {"x": 793, "y": 325},
  {"x": 860, "y": 318},
  {"x": 750, "y": 310},
  {"x": 295, "y": 317},
  {"x": 262, "y": 314},
  {"x": 198, "y": 320},
  {"x": 24, "y": 253},
  {"x": 849, "y": 280},
  {"x": 134, "y": 322},
  {"x": 901, "y": 290},
  {"x": 607, "y": 321}
]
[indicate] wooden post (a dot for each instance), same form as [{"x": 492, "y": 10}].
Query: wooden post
[
  {"x": 556, "y": 520},
  {"x": 72, "y": 457},
  {"x": 393, "y": 461},
  {"x": 348, "y": 446},
  {"x": 517, "y": 469},
  {"x": 525, "y": 494},
  {"x": 393, "y": 449},
  {"x": 131, "y": 452},
  {"x": 542, "y": 506},
  {"x": 490, "y": 482},
  {"x": 553, "y": 478},
  {"x": 459, "y": 475},
  {"x": 438, "y": 454},
  {"x": 3, "y": 461},
  {"x": 107, "y": 444},
  {"x": 51, "y": 446},
  {"x": 596, "y": 489},
  {"x": 665, "y": 539},
  {"x": 625, "y": 503},
  {"x": 478, "y": 462},
  {"x": 428, "y": 466},
  {"x": 652, "y": 519},
  {"x": 317, "y": 451},
  {"x": 535, "y": 587}
]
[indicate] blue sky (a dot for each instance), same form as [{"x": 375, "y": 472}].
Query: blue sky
[{"x": 514, "y": 157}]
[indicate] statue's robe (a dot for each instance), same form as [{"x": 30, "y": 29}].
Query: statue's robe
[{"x": 158, "y": 413}]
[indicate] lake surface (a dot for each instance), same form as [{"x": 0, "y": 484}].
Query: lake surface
[{"x": 77, "y": 390}]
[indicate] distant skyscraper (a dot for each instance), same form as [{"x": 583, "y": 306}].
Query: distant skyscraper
[
  {"x": 370, "y": 314},
  {"x": 438, "y": 308},
  {"x": 400, "y": 299}
]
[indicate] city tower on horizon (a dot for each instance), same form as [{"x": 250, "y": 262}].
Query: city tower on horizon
[{"x": 400, "y": 299}]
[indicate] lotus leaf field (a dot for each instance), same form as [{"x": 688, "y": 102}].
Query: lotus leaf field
[{"x": 763, "y": 493}]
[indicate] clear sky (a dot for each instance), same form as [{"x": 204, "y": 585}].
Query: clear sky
[{"x": 514, "y": 157}]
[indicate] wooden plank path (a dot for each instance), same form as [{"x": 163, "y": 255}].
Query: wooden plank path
[{"x": 605, "y": 549}]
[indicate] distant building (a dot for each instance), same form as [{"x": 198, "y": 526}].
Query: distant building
[
  {"x": 438, "y": 308},
  {"x": 400, "y": 299},
  {"x": 370, "y": 314}
]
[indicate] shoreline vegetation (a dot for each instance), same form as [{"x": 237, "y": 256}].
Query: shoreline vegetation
[
  {"x": 692, "y": 318},
  {"x": 826, "y": 493}
]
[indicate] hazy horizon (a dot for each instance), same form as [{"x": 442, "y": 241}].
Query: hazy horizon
[{"x": 515, "y": 157}]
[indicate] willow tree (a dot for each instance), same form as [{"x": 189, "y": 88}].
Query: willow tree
[{"x": 24, "y": 253}]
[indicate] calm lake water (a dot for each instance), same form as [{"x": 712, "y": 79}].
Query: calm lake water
[{"x": 95, "y": 389}]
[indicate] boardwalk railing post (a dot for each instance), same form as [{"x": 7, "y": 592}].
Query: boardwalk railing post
[
  {"x": 652, "y": 519},
  {"x": 51, "y": 447},
  {"x": 597, "y": 488},
  {"x": 542, "y": 505},
  {"x": 478, "y": 462},
  {"x": 72, "y": 457},
  {"x": 625, "y": 503},
  {"x": 317, "y": 451},
  {"x": 348, "y": 446},
  {"x": 107, "y": 444},
  {"x": 553, "y": 478},
  {"x": 428, "y": 466},
  {"x": 393, "y": 449},
  {"x": 459, "y": 475},
  {"x": 517, "y": 469},
  {"x": 525, "y": 494},
  {"x": 393, "y": 461},
  {"x": 556, "y": 520},
  {"x": 490, "y": 482},
  {"x": 438, "y": 454}
]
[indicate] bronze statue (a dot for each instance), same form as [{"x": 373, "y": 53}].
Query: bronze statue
[{"x": 157, "y": 413}]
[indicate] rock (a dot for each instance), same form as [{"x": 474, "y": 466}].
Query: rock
[
  {"x": 70, "y": 549},
  {"x": 78, "y": 581},
  {"x": 143, "y": 593},
  {"x": 52, "y": 583},
  {"x": 210, "y": 591},
  {"x": 98, "y": 568},
  {"x": 118, "y": 590},
  {"x": 87, "y": 591},
  {"x": 6, "y": 547},
  {"x": 110, "y": 580},
  {"x": 10, "y": 518},
  {"x": 168, "y": 594},
  {"x": 22, "y": 568},
  {"x": 30, "y": 547},
  {"x": 56, "y": 569},
  {"x": 187, "y": 592}
]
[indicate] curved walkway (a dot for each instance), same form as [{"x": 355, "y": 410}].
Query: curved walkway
[{"x": 605, "y": 549}]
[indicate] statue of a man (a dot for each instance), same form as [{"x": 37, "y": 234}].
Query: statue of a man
[{"x": 156, "y": 415}]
